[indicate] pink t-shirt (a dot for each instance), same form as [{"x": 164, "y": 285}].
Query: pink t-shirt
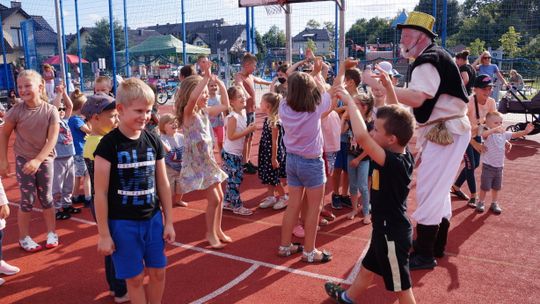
[
  {"x": 303, "y": 134},
  {"x": 331, "y": 130},
  {"x": 32, "y": 127}
]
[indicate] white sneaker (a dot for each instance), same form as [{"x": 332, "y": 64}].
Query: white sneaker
[
  {"x": 7, "y": 269},
  {"x": 282, "y": 202},
  {"x": 2, "y": 281},
  {"x": 268, "y": 202},
  {"x": 52, "y": 240}
]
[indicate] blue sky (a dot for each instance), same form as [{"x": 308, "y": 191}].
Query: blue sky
[{"x": 151, "y": 12}]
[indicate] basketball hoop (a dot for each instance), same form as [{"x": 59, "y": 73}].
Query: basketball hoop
[{"x": 274, "y": 9}]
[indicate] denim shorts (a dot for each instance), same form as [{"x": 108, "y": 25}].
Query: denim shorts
[
  {"x": 341, "y": 157},
  {"x": 305, "y": 172},
  {"x": 250, "y": 118},
  {"x": 80, "y": 166},
  {"x": 139, "y": 244}
]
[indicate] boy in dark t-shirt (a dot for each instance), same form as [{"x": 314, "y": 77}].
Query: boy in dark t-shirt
[
  {"x": 391, "y": 238},
  {"x": 131, "y": 189}
]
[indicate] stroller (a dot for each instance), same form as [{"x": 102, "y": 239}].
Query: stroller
[{"x": 512, "y": 103}]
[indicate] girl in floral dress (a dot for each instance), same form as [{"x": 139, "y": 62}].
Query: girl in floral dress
[{"x": 199, "y": 168}]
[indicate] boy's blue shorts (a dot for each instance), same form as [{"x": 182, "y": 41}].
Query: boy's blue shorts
[{"x": 139, "y": 244}]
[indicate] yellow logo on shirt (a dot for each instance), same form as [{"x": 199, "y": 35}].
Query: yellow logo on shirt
[{"x": 375, "y": 180}]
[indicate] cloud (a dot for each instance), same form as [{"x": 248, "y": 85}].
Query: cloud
[{"x": 93, "y": 18}]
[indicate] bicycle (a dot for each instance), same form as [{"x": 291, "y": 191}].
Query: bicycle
[{"x": 165, "y": 92}]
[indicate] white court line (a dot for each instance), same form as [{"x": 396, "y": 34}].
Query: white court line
[
  {"x": 237, "y": 258},
  {"x": 260, "y": 263},
  {"x": 227, "y": 286},
  {"x": 357, "y": 266}
]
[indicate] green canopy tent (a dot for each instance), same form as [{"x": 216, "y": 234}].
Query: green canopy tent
[{"x": 164, "y": 45}]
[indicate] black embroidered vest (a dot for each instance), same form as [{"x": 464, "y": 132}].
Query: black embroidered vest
[{"x": 451, "y": 82}]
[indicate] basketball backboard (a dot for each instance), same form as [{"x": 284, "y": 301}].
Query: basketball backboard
[{"x": 249, "y": 3}]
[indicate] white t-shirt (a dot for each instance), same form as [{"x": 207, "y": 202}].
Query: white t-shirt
[
  {"x": 495, "y": 145},
  {"x": 235, "y": 147},
  {"x": 425, "y": 78}
]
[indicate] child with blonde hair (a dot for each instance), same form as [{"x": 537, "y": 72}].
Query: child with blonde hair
[
  {"x": 236, "y": 129},
  {"x": 36, "y": 124},
  {"x": 173, "y": 141},
  {"x": 132, "y": 196},
  {"x": 200, "y": 170},
  {"x": 493, "y": 159},
  {"x": 272, "y": 154}
]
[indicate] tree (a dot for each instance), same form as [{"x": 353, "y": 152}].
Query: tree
[
  {"x": 260, "y": 46},
  {"x": 330, "y": 27},
  {"x": 453, "y": 10},
  {"x": 532, "y": 49},
  {"x": 509, "y": 42},
  {"x": 313, "y": 24},
  {"x": 98, "y": 43},
  {"x": 310, "y": 44},
  {"x": 274, "y": 37},
  {"x": 477, "y": 47},
  {"x": 471, "y": 8}
]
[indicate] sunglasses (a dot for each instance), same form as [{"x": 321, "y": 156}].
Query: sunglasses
[
  {"x": 61, "y": 109},
  {"x": 487, "y": 58}
]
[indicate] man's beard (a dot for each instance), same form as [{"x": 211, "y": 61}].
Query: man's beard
[{"x": 405, "y": 51}]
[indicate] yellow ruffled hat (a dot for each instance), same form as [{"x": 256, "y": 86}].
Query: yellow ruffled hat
[{"x": 420, "y": 21}]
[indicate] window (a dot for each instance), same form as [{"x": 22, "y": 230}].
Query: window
[{"x": 16, "y": 36}]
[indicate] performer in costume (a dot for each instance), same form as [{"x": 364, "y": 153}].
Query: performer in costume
[{"x": 439, "y": 98}]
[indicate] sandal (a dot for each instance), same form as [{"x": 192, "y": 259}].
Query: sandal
[
  {"x": 28, "y": 244},
  {"x": 323, "y": 222},
  {"x": 459, "y": 194},
  {"x": 334, "y": 290},
  {"x": 327, "y": 214},
  {"x": 285, "y": 251},
  {"x": 310, "y": 257},
  {"x": 62, "y": 215}
]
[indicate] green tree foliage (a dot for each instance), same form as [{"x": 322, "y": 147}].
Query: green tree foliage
[
  {"x": 313, "y": 24},
  {"x": 330, "y": 27},
  {"x": 99, "y": 41},
  {"x": 363, "y": 31},
  {"x": 310, "y": 44},
  {"x": 274, "y": 37},
  {"x": 454, "y": 19},
  {"x": 488, "y": 20},
  {"x": 532, "y": 49},
  {"x": 477, "y": 47},
  {"x": 471, "y": 8},
  {"x": 509, "y": 42},
  {"x": 260, "y": 46}
]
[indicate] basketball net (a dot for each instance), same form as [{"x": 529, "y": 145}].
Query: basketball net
[{"x": 274, "y": 9}]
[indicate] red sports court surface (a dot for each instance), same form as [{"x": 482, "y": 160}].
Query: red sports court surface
[{"x": 491, "y": 259}]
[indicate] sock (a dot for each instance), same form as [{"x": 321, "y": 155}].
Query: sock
[{"x": 345, "y": 298}]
